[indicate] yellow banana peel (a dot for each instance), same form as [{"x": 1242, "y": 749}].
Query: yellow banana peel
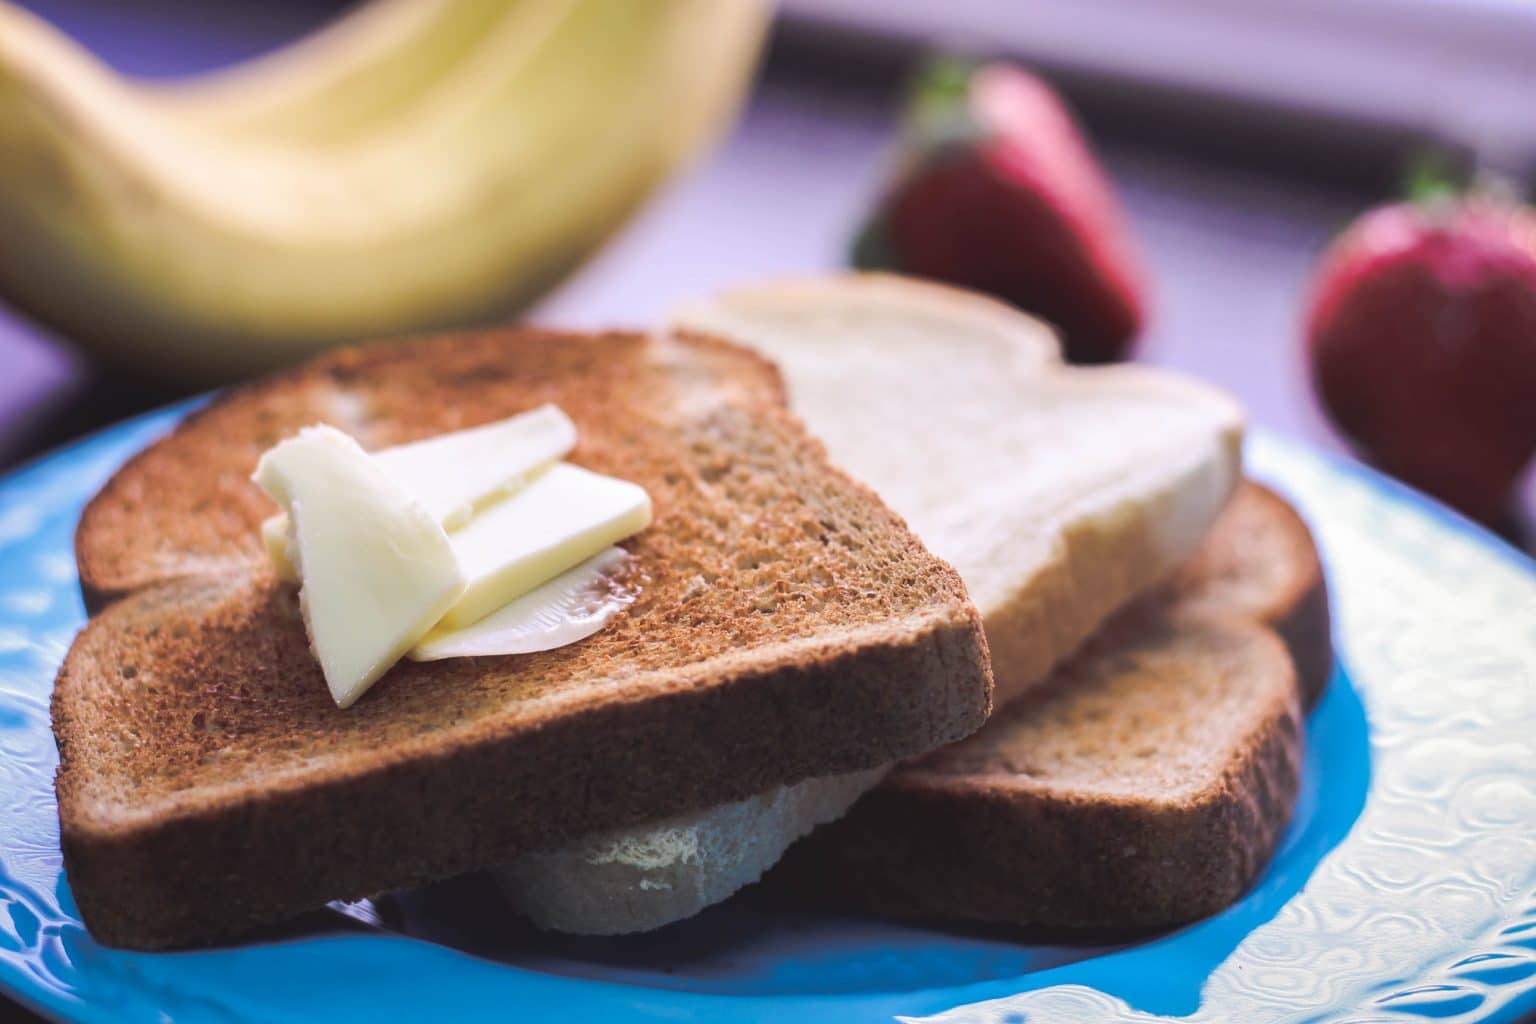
[{"x": 420, "y": 164}]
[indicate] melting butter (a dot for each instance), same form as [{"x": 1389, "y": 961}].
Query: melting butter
[
  {"x": 563, "y": 517},
  {"x": 472, "y": 543},
  {"x": 570, "y": 607}
]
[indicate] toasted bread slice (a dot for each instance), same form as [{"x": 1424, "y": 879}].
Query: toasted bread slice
[
  {"x": 1260, "y": 562},
  {"x": 787, "y": 626},
  {"x": 1059, "y": 493},
  {"x": 1147, "y": 784}
]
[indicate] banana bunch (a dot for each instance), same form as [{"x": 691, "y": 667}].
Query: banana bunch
[{"x": 418, "y": 164}]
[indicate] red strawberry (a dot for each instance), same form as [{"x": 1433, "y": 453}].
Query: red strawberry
[
  {"x": 1004, "y": 196},
  {"x": 1422, "y": 336}
]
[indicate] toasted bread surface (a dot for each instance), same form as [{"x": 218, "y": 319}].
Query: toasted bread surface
[
  {"x": 1145, "y": 786},
  {"x": 787, "y": 626}
]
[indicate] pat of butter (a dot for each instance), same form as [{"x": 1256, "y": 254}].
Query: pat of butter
[
  {"x": 453, "y": 475},
  {"x": 568, "y": 608},
  {"x": 377, "y": 569},
  {"x": 561, "y": 518}
]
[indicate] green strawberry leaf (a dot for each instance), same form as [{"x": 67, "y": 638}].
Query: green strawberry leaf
[
  {"x": 938, "y": 112},
  {"x": 1434, "y": 177}
]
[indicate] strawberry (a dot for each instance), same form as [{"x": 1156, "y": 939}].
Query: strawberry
[
  {"x": 1422, "y": 342},
  {"x": 1001, "y": 194}
]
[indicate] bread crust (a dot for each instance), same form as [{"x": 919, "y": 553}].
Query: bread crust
[{"x": 205, "y": 784}]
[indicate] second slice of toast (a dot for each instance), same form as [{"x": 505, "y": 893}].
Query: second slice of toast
[
  {"x": 1144, "y": 787},
  {"x": 787, "y": 625},
  {"x": 1261, "y": 563}
]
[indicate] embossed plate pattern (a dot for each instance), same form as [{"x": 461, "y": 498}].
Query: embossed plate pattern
[{"x": 1406, "y": 887}]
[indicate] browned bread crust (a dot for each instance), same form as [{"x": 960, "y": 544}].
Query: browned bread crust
[
  {"x": 1145, "y": 787},
  {"x": 788, "y": 626}
]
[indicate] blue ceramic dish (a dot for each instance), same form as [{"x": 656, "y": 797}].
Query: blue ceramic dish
[{"x": 1406, "y": 887}]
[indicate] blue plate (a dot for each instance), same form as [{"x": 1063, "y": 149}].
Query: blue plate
[{"x": 1405, "y": 888}]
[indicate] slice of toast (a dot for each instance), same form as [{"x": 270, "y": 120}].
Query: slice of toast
[
  {"x": 1261, "y": 563},
  {"x": 787, "y": 625},
  {"x": 1059, "y": 494},
  {"x": 1144, "y": 787}
]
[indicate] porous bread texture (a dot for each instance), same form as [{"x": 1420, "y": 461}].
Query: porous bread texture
[
  {"x": 637, "y": 879},
  {"x": 787, "y": 626},
  {"x": 1144, "y": 786},
  {"x": 1059, "y": 494}
]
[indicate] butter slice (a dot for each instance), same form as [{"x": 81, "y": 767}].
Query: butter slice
[
  {"x": 455, "y": 474},
  {"x": 561, "y": 518},
  {"x": 377, "y": 569},
  {"x": 568, "y": 608}
]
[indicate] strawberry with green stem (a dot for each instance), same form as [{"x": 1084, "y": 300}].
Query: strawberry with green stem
[
  {"x": 1000, "y": 193},
  {"x": 1421, "y": 334}
]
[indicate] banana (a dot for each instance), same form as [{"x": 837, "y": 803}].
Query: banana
[
  {"x": 346, "y": 79},
  {"x": 417, "y": 165}
]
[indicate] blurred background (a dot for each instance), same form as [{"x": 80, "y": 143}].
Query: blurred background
[{"x": 1229, "y": 142}]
